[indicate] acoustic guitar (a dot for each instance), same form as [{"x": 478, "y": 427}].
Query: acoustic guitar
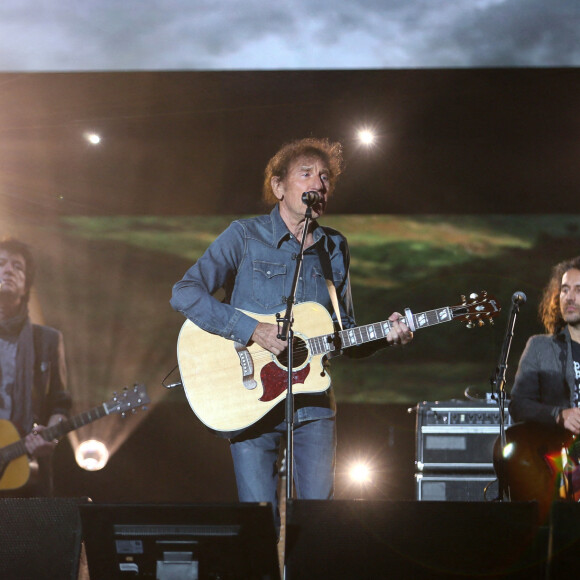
[
  {"x": 14, "y": 465},
  {"x": 537, "y": 464},
  {"x": 230, "y": 386}
]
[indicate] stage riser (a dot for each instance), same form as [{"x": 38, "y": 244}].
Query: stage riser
[
  {"x": 415, "y": 540},
  {"x": 564, "y": 548},
  {"x": 41, "y": 539}
]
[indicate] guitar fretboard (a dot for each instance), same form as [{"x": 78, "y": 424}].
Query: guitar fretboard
[
  {"x": 73, "y": 423},
  {"x": 376, "y": 330},
  {"x": 129, "y": 400},
  {"x": 18, "y": 448}
]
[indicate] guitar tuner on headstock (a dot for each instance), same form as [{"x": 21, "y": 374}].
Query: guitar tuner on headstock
[
  {"x": 130, "y": 399},
  {"x": 474, "y": 297},
  {"x": 477, "y": 309}
]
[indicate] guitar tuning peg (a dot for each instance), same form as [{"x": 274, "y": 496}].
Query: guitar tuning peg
[
  {"x": 490, "y": 320},
  {"x": 481, "y": 322},
  {"x": 470, "y": 324},
  {"x": 473, "y": 296},
  {"x": 463, "y": 300}
]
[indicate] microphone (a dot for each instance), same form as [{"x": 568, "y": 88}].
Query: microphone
[
  {"x": 311, "y": 198},
  {"x": 519, "y": 298}
]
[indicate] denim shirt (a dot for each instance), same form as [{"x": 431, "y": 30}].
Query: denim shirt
[{"x": 254, "y": 261}]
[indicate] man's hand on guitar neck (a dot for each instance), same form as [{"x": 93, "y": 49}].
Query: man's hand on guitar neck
[
  {"x": 36, "y": 445},
  {"x": 266, "y": 335},
  {"x": 400, "y": 332},
  {"x": 570, "y": 419}
]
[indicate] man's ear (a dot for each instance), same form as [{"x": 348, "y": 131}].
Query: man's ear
[{"x": 277, "y": 187}]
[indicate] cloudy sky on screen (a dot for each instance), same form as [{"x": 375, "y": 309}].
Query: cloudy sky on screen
[{"x": 92, "y": 35}]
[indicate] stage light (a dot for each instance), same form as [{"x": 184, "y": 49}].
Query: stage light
[
  {"x": 93, "y": 138},
  {"x": 92, "y": 455},
  {"x": 360, "y": 473},
  {"x": 366, "y": 137}
]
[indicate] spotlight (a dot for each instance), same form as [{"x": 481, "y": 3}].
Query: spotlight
[
  {"x": 366, "y": 136},
  {"x": 360, "y": 473},
  {"x": 93, "y": 138},
  {"x": 92, "y": 455}
]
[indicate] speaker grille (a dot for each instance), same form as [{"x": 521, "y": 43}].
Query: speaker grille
[{"x": 39, "y": 538}]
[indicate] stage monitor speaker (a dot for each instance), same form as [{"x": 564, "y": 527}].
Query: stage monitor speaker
[
  {"x": 185, "y": 541},
  {"x": 564, "y": 544},
  {"x": 364, "y": 539},
  {"x": 40, "y": 538}
]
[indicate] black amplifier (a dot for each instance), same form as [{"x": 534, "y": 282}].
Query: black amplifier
[
  {"x": 456, "y": 487},
  {"x": 457, "y": 435}
]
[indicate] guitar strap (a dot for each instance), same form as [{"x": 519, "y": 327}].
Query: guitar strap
[
  {"x": 334, "y": 300},
  {"x": 576, "y": 365},
  {"x": 327, "y": 271}
]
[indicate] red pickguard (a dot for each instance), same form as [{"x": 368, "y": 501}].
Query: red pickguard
[{"x": 275, "y": 380}]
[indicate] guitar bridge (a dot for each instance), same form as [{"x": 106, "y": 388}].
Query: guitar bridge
[{"x": 247, "y": 366}]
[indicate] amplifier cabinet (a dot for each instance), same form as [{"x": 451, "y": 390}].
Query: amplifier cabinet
[
  {"x": 457, "y": 436},
  {"x": 456, "y": 487}
]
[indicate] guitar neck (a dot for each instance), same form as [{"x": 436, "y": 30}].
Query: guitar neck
[
  {"x": 18, "y": 448},
  {"x": 378, "y": 330},
  {"x": 63, "y": 427}
]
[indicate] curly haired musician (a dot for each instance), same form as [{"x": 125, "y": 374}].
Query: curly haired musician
[
  {"x": 543, "y": 462},
  {"x": 32, "y": 366},
  {"x": 253, "y": 260},
  {"x": 546, "y": 385}
]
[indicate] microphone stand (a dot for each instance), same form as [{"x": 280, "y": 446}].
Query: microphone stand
[
  {"x": 286, "y": 333},
  {"x": 498, "y": 384}
]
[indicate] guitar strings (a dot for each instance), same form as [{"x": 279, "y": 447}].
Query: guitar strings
[
  {"x": 260, "y": 353},
  {"x": 301, "y": 348}
]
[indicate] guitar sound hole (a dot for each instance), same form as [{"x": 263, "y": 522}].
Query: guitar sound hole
[{"x": 299, "y": 351}]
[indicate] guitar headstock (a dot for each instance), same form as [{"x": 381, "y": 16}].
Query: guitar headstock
[
  {"x": 128, "y": 400},
  {"x": 476, "y": 309}
]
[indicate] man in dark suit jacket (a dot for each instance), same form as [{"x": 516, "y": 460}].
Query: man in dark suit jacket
[
  {"x": 33, "y": 391},
  {"x": 547, "y": 384},
  {"x": 540, "y": 461}
]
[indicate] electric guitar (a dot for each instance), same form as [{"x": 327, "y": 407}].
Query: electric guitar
[
  {"x": 536, "y": 464},
  {"x": 14, "y": 465},
  {"x": 230, "y": 386}
]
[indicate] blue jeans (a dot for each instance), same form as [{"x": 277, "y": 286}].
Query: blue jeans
[{"x": 255, "y": 463}]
